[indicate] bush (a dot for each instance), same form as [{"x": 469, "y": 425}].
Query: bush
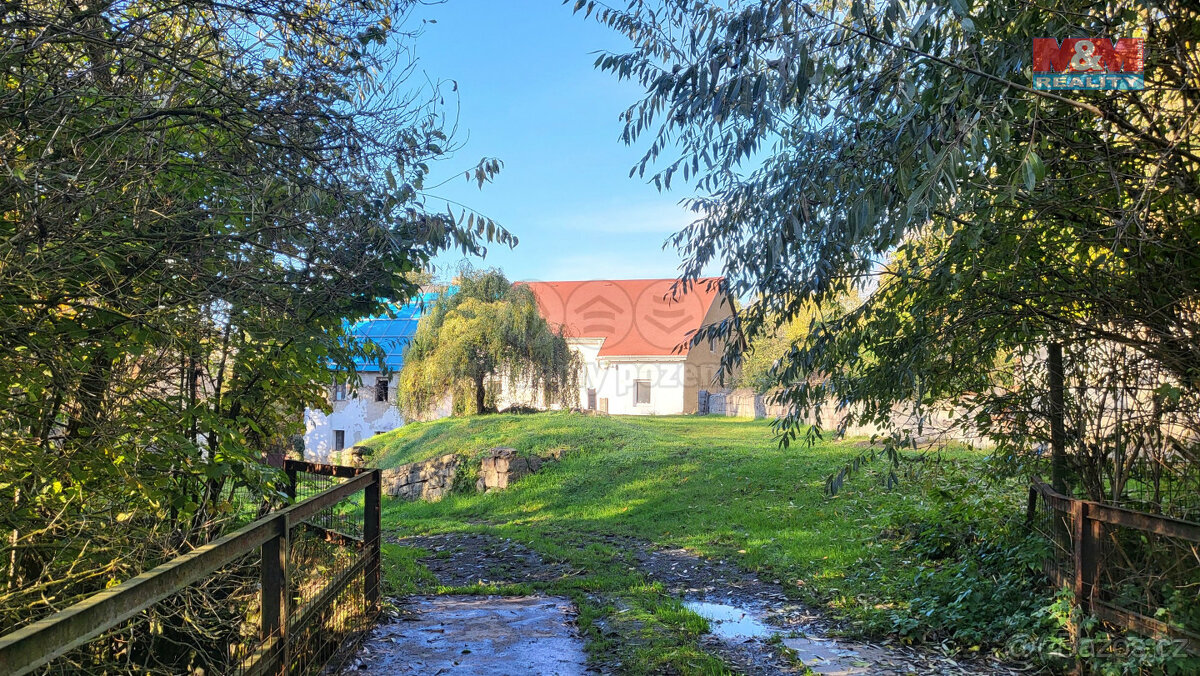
[
  {"x": 974, "y": 578},
  {"x": 1067, "y": 638},
  {"x": 974, "y": 570}
]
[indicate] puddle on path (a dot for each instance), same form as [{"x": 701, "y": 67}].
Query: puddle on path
[
  {"x": 746, "y": 613},
  {"x": 476, "y": 635},
  {"x": 737, "y": 625},
  {"x": 730, "y": 622}
]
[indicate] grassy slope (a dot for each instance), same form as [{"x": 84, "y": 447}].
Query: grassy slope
[
  {"x": 715, "y": 485},
  {"x": 718, "y": 486}
]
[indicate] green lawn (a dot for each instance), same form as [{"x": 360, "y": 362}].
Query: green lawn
[{"x": 717, "y": 486}]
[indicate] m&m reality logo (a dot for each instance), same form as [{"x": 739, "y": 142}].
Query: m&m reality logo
[{"x": 1088, "y": 63}]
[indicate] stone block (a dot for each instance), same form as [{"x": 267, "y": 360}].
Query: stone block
[
  {"x": 429, "y": 480},
  {"x": 502, "y": 466}
]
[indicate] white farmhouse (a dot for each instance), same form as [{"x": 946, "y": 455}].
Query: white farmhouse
[{"x": 634, "y": 336}]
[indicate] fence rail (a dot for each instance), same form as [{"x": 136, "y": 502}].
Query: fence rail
[
  {"x": 1131, "y": 569},
  {"x": 317, "y": 585}
]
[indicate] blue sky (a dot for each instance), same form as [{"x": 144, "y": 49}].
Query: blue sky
[{"x": 529, "y": 95}]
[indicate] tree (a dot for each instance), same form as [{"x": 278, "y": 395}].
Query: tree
[
  {"x": 196, "y": 197},
  {"x": 483, "y": 333},
  {"x": 899, "y": 146},
  {"x": 760, "y": 364}
]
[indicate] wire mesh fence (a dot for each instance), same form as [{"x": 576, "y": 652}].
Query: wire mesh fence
[
  {"x": 1051, "y": 516},
  {"x": 331, "y": 565},
  {"x": 1156, "y": 487},
  {"x": 288, "y": 593},
  {"x": 1151, "y": 575},
  {"x": 1132, "y": 569}
]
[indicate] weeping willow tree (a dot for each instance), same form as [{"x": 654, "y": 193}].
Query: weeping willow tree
[{"x": 480, "y": 336}]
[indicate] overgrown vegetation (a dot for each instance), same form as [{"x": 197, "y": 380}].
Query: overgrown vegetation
[
  {"x": 482, "y": 335},
  {"x": 895, "y": 148},
  {"x": 972, "y": 565},
  {"x": 196, "y": 198},
  {"x": 943, "y": 560}
]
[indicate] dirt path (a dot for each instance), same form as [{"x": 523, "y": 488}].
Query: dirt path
[
  {"x": 753, "y": 621},
  {"x": 755, "y": 628},
  {"x": 461, "y": 559},
  {"x": 476, "y": 635}
]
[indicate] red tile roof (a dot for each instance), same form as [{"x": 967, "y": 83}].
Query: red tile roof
[{"x": 635, "y": 317}]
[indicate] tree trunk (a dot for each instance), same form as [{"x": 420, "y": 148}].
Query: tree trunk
[
  {"x": 1058, "y": 450},
  {"x": 479, "y": 394},
  {"x": 90, "y": 393}
]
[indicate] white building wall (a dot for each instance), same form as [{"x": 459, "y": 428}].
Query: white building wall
[
  {"x": 617, "y": 380},
  {"x": 614, "y": 379},
  {"x": 359, "y": 416}
]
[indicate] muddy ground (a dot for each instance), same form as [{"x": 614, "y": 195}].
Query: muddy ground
[
  {"x": 773, "y": 635},
  {"x": 484, "y": 635}
]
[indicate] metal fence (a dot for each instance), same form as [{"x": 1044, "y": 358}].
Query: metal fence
[
  {"x": 286, "y": 594},
  {"x": 1131, "y": 569},
  {"x": 1170, "y": 489}
]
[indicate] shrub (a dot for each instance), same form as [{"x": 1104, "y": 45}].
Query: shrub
[{"x": 974, "y": 568}]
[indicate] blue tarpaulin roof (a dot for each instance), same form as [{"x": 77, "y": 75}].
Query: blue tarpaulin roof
[{"x": 392, "y": 333}]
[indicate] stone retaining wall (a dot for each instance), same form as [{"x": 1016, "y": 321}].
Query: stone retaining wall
[{"x": 430, "y": 480}]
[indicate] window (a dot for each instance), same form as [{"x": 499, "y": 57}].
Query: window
[
  {"x": 339, "y": 391},
  {"x": 591, "y": 399},
  {"x": 381, "y": 389},
  {"x": 339, "y": 439},
  {"x": 641, "y": 391}
]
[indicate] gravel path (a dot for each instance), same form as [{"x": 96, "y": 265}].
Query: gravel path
[{"x": 756, "y": 629}]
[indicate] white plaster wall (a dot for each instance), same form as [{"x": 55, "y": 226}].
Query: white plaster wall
[
  {"x": 587, "y": 348},
  {"x": 616, "y": 379},
  {"x": 613, "y": 378},
  {"x": 589, "y": 352},
  {"x": 359, "y": 415}
]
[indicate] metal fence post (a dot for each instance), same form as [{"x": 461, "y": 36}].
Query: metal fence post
[
  {"x": 275, "y": 606},
  {"x": 291, "y": 485},
  {"x": 371, "y": 538}
]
